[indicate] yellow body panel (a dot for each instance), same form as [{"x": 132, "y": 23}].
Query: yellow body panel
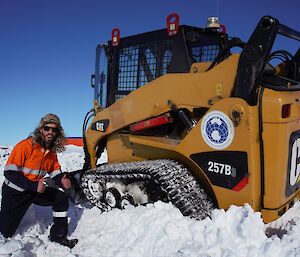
[
  {"x": 276, "y": 136},
  {"x": 245, "y": 139}
]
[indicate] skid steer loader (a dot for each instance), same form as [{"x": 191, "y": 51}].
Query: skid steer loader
[{"x": 183, "y": 119}]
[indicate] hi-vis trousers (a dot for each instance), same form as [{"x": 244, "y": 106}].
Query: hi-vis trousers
[{"x": 16, "y": 202}]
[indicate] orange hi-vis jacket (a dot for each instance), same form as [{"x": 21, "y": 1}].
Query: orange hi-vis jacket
[{"x": 33, "y": 161}]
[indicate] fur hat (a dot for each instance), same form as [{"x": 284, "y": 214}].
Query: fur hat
[{"x": 50, "y": 118}]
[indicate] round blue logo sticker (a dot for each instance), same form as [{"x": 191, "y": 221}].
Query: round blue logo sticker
[{"x": 217, "y": 130}]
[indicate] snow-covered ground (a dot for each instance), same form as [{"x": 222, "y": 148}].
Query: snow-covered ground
[{"x": 155, "y": 230}]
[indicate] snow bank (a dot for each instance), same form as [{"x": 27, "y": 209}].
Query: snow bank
[{"x": 155, "y": 230}]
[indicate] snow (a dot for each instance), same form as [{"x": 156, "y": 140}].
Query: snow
[{"x": 154, "y": 230}]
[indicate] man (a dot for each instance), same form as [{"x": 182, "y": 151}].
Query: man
[{"x": 30, "y": 161}]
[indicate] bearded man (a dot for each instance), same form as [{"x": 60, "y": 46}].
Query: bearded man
[{"x": 28, "y": 166}]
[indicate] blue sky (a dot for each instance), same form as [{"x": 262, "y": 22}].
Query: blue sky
[{"x": 47, "y": 48}]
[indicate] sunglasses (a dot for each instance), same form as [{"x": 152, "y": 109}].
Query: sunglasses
[{"x": 47, "y": 128}]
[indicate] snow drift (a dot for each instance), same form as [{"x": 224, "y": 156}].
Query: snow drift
[{"x": 154, "y": 230}]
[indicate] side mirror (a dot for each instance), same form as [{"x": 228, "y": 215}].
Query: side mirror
[{"x": 93, "y": 80}]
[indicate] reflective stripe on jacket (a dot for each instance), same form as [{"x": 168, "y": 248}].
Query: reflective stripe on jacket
[{"x": 33, "y": 161}]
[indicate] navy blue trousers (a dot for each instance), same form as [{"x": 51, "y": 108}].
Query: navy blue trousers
[{"x": 15, "y": 204}]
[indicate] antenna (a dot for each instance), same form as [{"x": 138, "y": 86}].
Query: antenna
[{"x": 218, "y": 8}]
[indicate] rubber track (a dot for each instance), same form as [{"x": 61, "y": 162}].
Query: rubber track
[{"x": 175, "y": 180}]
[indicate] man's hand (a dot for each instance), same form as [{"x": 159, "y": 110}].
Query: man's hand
[
  {"x": 66, "y": 182},
  {"x": 41, "y": 186}
]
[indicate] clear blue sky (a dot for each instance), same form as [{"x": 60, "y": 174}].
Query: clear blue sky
[{"x": 47, "y": 48}]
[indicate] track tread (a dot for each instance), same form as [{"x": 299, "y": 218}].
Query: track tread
[{"x": 179, "y": 184}]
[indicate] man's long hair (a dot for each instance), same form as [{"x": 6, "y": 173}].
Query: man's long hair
[{"x": 58, "y": 143}]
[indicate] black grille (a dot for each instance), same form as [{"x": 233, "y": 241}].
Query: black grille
[
  {"x": 140, "y": 64},
  {"x": 205, "y": 53}
]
